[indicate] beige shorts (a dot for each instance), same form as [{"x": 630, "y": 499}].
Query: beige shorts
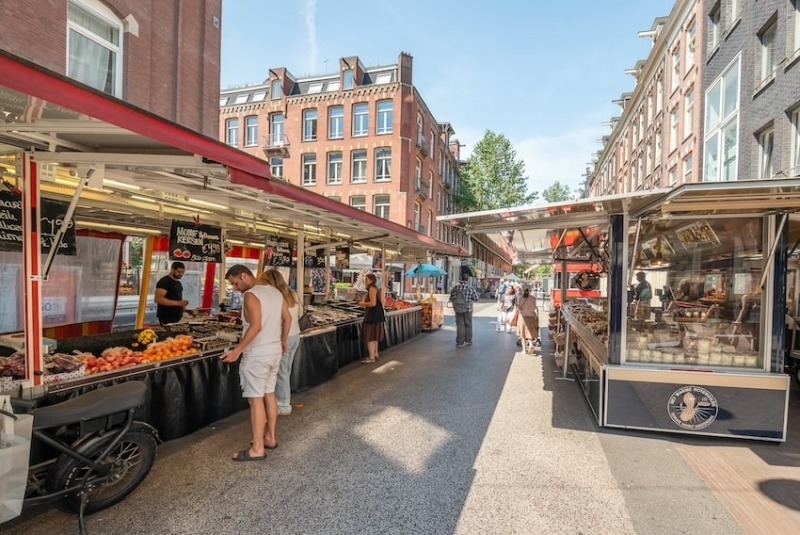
[{"x": 258, "y": 374}]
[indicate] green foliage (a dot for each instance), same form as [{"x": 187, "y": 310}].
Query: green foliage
[
  {"x": 136, "y": 253},
  {"x": 492, "y": 177},
  {"x": 557, "y": 192}
]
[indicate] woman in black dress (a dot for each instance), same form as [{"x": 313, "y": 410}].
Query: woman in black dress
[{"x": 374, "y": 318}]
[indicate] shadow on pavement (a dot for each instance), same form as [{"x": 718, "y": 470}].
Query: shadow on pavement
[{"x": 784, "y": 491}]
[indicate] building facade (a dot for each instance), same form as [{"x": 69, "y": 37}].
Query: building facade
[
  {"x": 159, "y": 55},
  {"x": 751, "y": 88},
  {"x": 363, "y": 136},
  {"x": 654, "y": 140}
]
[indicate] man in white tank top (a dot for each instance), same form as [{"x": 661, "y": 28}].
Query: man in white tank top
[{"x": 266, "y": 321}]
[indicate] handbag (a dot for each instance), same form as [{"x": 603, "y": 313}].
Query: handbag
[
  {"x": 514, "y": 319},
  {"x": 304, "y": 321}
]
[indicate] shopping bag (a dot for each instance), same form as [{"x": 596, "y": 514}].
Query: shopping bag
[
  {"x": 15, "y": 448},
  {"x": 514, "y": 319}
]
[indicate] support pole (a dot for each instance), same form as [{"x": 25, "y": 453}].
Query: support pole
[
  {"x": 32, "y": 265},
  {"x": 144, "y": 290},
  {"x": 301, "y": 246},
  {"x": 327, "y": 273}
]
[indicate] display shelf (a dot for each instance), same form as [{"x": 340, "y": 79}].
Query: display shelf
[{"x": 589, "y": 341}]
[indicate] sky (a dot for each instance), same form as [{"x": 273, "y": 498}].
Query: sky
[{"x": 541, "y": 72}]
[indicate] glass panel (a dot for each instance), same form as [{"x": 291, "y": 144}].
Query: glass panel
[
  {"x": 713, "y": 106},
  {"x": 93, "y": 23},
  {"x": 731, "y": 144},
  {"x": 92, "y": 63},
  {"x": 711, "y": 159},
  {"x": 731, "y": 83}
]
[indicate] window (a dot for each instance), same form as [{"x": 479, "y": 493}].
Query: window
[
  {"x": 359, "y": 202},
  {"x": 337, "y": 198},
  {"x": 688, "y": 113},
  {"x": 336, "y": 122},
  {"x": 687, "y": 169},
  {"x": 347, "y": 79},
  {"x": 358, "y": 168},
  {"x": 721, "y": 127},
  {"x": 430, "y": 184},
  {"x": 420, "y": 135},
  {"x": 241, "y": 99},
  {"x": 765, "y": 144},
  {"x": 383, "y": 164},
  {"x": 418, "y": 176},
  {"x": 360, "y": 119},
  {"x": 383, "y": 78},
  {"x": 335, "y": 167},
  {"x": 250, "y": 131},
  {"x": 795, "y": 162},
  {"x": 428, "y": 229},
  {"x": 417, "y": 210},
  {"x": 380, "y": 205},
  {"x": 232, "y": 132},
  {"x": 258, "y": 96},
  {"x": 713, "y": 29},
  {"x": 673, "y": 176},
  {"x": 223, "y": 101},
  {"x": 334, "y": 86},
  {"x": 94, "y": 47},
  {"x": 767, "y": 39},
  {"x": 691, "y": 45},
  {"x": 796, "y": 12},
  {"x": 310, "y": 124},
  {"x": 736, "y": 11},
  {"x": 276, "y": 137},
  {"x": 433, "y": 142},
  {"x": 676, "y": 69},
  {"x": 275, "y": 90},
  {"x": 276, "y": 166},
  {"x": 315, "y": 88},
  {"x": 310, "y": 169},
  {"x": 383, "y": 124},
  {"x": 673, "y": 130}
]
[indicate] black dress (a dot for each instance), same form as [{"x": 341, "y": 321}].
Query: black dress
[{"x": 374, "y": 319}]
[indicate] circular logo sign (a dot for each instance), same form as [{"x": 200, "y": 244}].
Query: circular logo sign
[{"x": 692, "y": 408}]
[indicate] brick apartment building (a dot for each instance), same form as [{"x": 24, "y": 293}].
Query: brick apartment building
[
  {"x": 654, "y": 140},
  {"x": 751, "y": 85},
  {"x": 160, "y": 55},
  {"x": 362, "y": 136}
]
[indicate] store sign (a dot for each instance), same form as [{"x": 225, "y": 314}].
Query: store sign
[
  {"x": 195, "y": 243},
  {"x": 314, "y": 258},
  {"x": 51, "y": 216},
  {"x": 277, "y": 252},
  {"x": 692, "y": 407}
]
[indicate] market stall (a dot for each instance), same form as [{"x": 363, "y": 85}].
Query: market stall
[
  {"x": 690, "y": 335},
  {"x": 113, "y": 169}
]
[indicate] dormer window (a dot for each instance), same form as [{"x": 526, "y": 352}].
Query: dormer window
[
  {"x": 275, "y": 89},
  {"x": 383, "y": 78},
  {"x": 347, "y": 79},
  {"x": 315, "y": 88}
]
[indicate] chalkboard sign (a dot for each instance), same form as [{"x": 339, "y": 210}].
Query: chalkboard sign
[
  {"x": 51, "y": 216},
  {"x": 277, "y": 252},
  {"x": 195, "y": 243},
  {"x": 315, "y": 258}
]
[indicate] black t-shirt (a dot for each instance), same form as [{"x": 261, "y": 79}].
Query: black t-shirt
[{"x": 174, "y": 288}]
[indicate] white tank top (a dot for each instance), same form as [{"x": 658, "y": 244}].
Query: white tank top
[{"x": 268, "y": 340}]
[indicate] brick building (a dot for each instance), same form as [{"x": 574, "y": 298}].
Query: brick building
[
  {"x": 751, "y": 86},
  {"x": 363, "y": 136},
  {"x": 654, "y": 140},
  {"x": 160, "y": 55}
]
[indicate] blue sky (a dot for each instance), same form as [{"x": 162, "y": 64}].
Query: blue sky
[{"x": 542, "y": 73}]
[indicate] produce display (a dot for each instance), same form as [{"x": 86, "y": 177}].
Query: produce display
[
  {"x": 397, "y": 304},
  {"x": 321, "y": 316},
  {"x": 432, "y": 313}
]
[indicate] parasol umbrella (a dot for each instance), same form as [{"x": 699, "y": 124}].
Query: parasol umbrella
[
  {"x": 512, "y": 277},
  {"x": 425, "y": 270}
]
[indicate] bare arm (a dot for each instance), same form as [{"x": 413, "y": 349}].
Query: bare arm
[
  {"x": 252, "y": 311},
  {"x": 286, "y": 324},
  {"x": 161, "y": 299},
  {"x": 372, "y": 298}
]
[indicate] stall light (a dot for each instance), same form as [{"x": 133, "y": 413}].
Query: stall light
[
  {"x": 208, "y": 204},
  {"x": 121, "y": 228},
  {"x": 115, "y": 184}
]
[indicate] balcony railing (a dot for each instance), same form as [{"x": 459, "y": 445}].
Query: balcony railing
[{"x": 276, "y": 144}]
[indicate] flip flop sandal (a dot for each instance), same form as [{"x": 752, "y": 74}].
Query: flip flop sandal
[
  {"x": 244, "y": 455},
  {"x": 367, "y": 361},
  {"x": 275, "y": 447}
]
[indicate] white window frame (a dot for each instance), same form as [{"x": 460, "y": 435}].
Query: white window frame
[
  {"x": 310, "y": 124},
  {"x": 335, "y": 122},
  {"x": 276, "y": 130},
  {"x": 428, "y": 229},
  {"x": 673, "y": 175},
  {"x": 796, "y": 42},
  {"x": 691, "y": 45},
  {"x": 420, "y": 130},
  {"x": 430, "y": 183},
  {"x": 676, "y": 69},
  {"x": 714, "y": 28},
  {"x": 381, "y": 209},
  {"x": 384, "y": 116},
  {"x": 358, "y": 164},
  {"x": 735, "y": 12},
  {"x": 276, "y": 166},
  {"x": 359, "y": 202},
  {"x": 251, "y": 131},
  {"x": 417, "y": 215},
  {"x": 795, "y": 161},
  {"x": 383, "y": 164},
  {"x": 433, "y": 144},
  {"x": 335, "y": 166},
  {"x": 768, "y": 60},
  {"x": 715, "y": 133},
  {"x": 104, "y": 14},
  {"x": 348, "y": 79},
  {"x": 688, "y": 113},
  {"x": 309, "y": 163},
  {"x": 360, "y": 119},
  {"x": 418, "y": 175},
  {"x": 275, "y": 89},
  {"x": 766, "y": 154},
  {"x": 232, "y": 131},
  {"x": 687, "y": 169},
  {"x": 673, "y": 129}
]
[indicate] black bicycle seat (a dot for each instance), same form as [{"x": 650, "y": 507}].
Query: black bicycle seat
[{"x": 100, "y": 402}]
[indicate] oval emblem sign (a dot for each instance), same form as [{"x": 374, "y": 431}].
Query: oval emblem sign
[{"x": 692, "y": 408}]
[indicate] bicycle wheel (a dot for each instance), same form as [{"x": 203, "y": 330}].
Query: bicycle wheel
[{"x": 131, "y": 460}]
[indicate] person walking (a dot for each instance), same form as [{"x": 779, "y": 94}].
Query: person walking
[
  {"x": 266, "y": 322},
  {"x": 374, "y": 318},
  {"x": 505, "y": 307},
  {"x": 528, "y": 321},
  {"x": 283, "y": 387},
  {"x": 462, "y": 296}
]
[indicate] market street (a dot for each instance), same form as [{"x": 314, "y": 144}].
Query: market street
[{"x": 439, "y": 439}]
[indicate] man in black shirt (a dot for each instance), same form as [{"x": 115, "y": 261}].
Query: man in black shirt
[{"x": 169, "y": 295}]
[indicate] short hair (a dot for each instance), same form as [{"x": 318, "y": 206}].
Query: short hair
[
  {"x": 238, "y": 270},
  {"x": 178, "y": 265},
  {"x": 464, "y": 277}
]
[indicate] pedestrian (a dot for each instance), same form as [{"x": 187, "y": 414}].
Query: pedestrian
[
  {"x": 528, "y": 321},
  {"x": 462, "y": 296},
  {"x": 266, "y": 321},
  {"x": 505, "y": 307},
  {"x": 169, "y": 295},
  {"x": 372, "y": 328},
  {"x": 283, "y": 387}
]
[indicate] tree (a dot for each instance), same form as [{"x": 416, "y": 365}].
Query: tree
[
  {"x": 492, "y": 177},
  {"x": 558, "y": 192}
]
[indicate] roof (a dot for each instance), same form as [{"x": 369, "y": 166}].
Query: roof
[{"x": 157, "y": 170}]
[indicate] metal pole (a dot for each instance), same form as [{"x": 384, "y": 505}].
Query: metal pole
[
  {"x": 73, "y": 203},
  {"x": 144, "y": 288},
  {"x": 32, "y": 265},
  {"x": 301, "y": 247}
]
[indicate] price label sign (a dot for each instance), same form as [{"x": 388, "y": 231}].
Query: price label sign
[
  {"x": 51, "y": 217},
  {"x": 278, "y": 252},
  {"x": 195, "y": 243}
]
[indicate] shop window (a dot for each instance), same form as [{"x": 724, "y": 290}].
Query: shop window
[{"x": 94, "y": 46}]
